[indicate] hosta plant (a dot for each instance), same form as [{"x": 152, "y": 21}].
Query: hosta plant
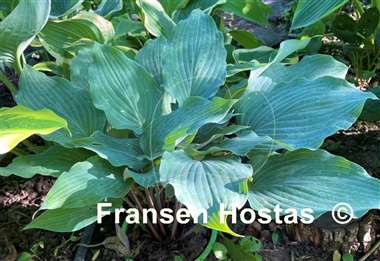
[{"x": 136, "y": 128}]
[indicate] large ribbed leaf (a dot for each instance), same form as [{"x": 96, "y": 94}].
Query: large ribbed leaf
[
  {"x": 252, "y": 10},
  {"x": 310, "y": 11},
  {"x": 19, "y": 123},
  {"x": 152, "y": 56},
  {"x": 166, "y": 132},
  {"x": 57, "y": 36},
  {"x": 310, "y": 67},
  {"x": 302, "y": 113},
  {"x": 146, "y": 179},
  {"x": 64, "y": 219},
  {"x": 19, "y": 28},
  {"x": 123, "y": 89},
  {"x": 107, "y": 8},
  {"x": 86, "y": 184},
  {"x": 195, "y": 63},
  {"x": 63, "y": 7},
  {"x": 286, "y": 49},
  {"x": 156, "y": 20},
  {"x": 316, "y": 180},
  {"x": 204, "y": 185},
  {"x": 242, "y": 144},
  {"x": 118, "y": 151},
  {"x": 39, "y": 91},
  {"x": 69, "y": 219},
  {"x": 51, "y": 162}
]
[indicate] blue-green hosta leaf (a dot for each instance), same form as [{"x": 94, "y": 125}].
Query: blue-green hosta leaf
[
  {"x": 302, "y": 113},
  {"x": 211, "y": 132},
  {"x": 156, "y": 20},
  {"x": 316, "y": 180},
  {"x": 167, "y": 131},
  {"x": 204, "y": 185},
  {"x": 107, "y": 8},
  {"x": 86, "y": 184},
  {"x": 244, "y": 143},
  {"x": 310, "y": 11},
  {"x": 152, "y": 56},
  {"x": 118, "y": 151},
  {"x": 146, "y": 179},
  {"x": 286, "y": 49},
  {"x": 69, "y": 219},
  {"x": 61, "y": 8},
  {"x": 64, "y": 219},
  {"x": 310, "y": 67},
  {"x": 19, "y": 123},
  {"x": 39, "y": 91},
  {"x": 19, "y": 28},
  {"x": 126, "y": 26},
  {"x": 51, "y": 162},
  {"x": 195, "y": 63},
  {"x": 58, "y": 36},
  {"x": 123, "y": 89},
  {"x": 262, "y": 54},
  {"x": 252, "y": 10}
]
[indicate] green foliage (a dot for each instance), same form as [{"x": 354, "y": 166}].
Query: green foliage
[
  {"x": 19, "y": 28},
  {"x": 19, "y": 123},
  {"x": 371, "y": 110},
  {"x": 310, "y": 11},
  {"x": 252, "y": 10},
  {"x": 64, "y": 7},
  {"x": 169, "y": 112}
]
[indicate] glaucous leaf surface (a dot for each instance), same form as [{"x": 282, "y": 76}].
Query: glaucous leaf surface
[
  {"x": 204, "y": 185},
  {"x": 243, "y": 144},
  {"x": 152, "y": 57},
  {"x": 302, "y": 113},
  {"x": 118, "y": 151},
  {"x": 146, "y": 179},
  {"x": 69, "y": 219},
  {"x": 156, "y": 20},
  {"x": 108, "y": 8},
  {"x": 19, "y": 123},
  {"x": 19, "y": 28},
  {"x": 58, "y": 36},
  {"x": 167, "y": 131},
  {"x": 61, "y": 8},
  {"x": 37, "y": 91},
  {"x": 120, "y": 87},
  {"x": 316, "y": 180},
  {"x": 51, "y": 162},
  {"x": 310, "y": 11},
  {"x": 311, "y": 67},
  {"x": 64, "y": 219},
  {"x": 86, "y": 184},
  {"x": 195, "y": 61},
  {"x": 287, "y": 48}
]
